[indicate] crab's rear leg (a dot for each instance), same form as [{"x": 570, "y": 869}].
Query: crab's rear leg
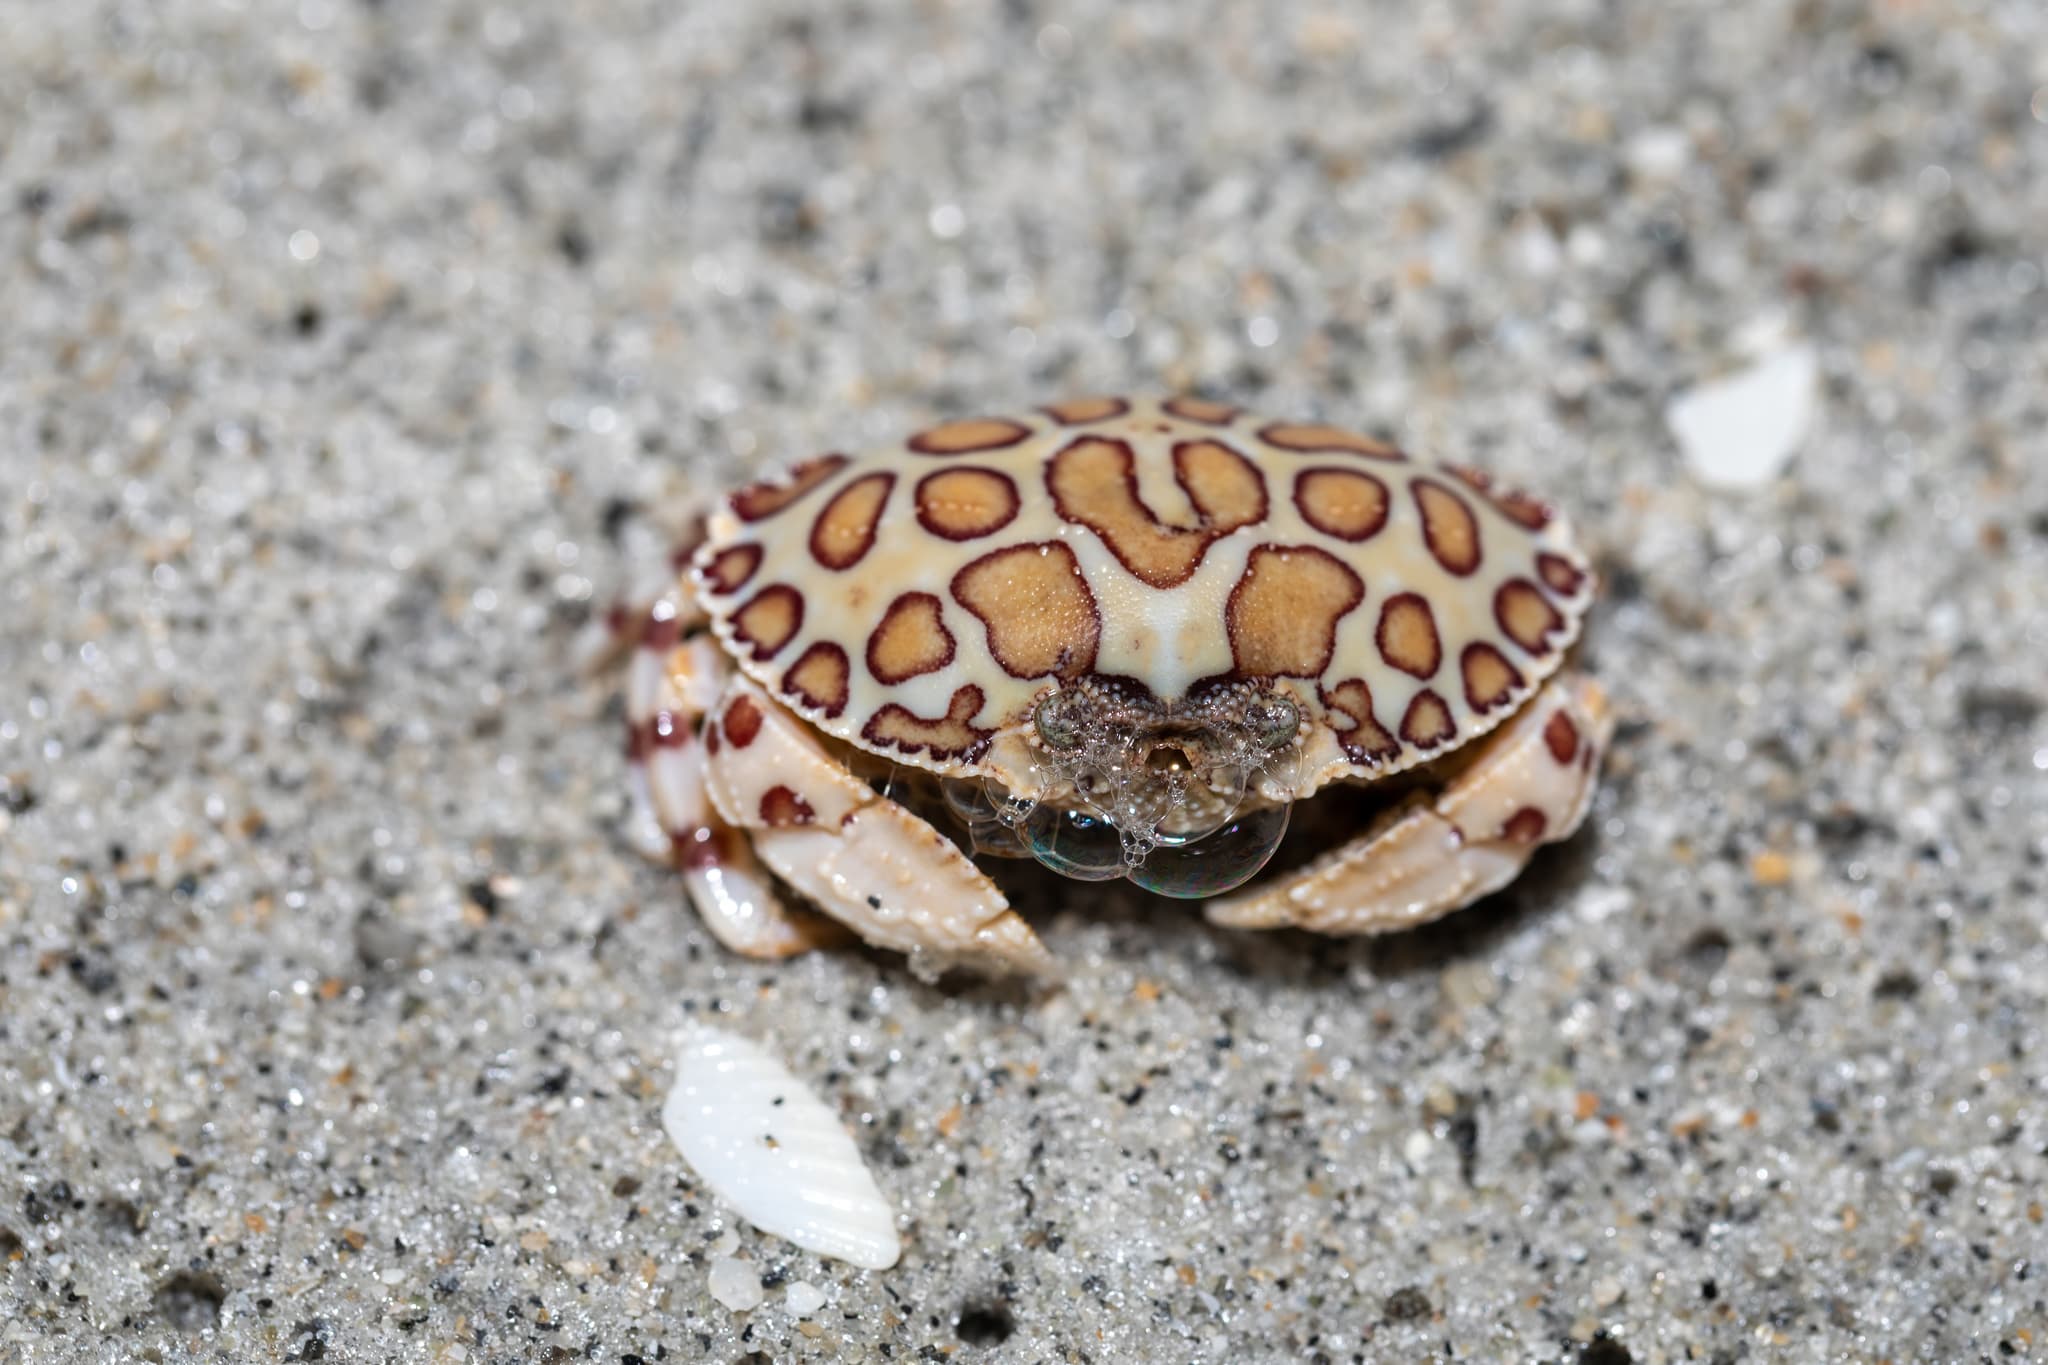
[
  {"x": 1530, "y": 784},
  {"x": 672, "y": 679},
  {"x": 864, "y": 859}
]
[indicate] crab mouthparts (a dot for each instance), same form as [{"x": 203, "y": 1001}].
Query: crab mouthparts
[{"x": 1133, "y": 788}]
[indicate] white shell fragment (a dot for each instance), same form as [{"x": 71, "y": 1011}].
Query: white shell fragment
[
  {"x": 1738, "y": 431},
  {"x": 736, "y": 1284},
  {"x": 772, "y": 1150}
]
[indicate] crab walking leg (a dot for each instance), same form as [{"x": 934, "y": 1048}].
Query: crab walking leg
[
  {"x": 1529, "y": 785},
  {"x": 670, "y": 684},
  {"x": 864, "y": 860}
]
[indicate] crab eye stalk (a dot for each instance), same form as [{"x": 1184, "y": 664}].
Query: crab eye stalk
[
  {"x": 1061, "y": 720},
  {"x": 1272, "y": 722}
]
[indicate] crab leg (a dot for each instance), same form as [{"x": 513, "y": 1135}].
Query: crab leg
[
  {"x": 671, "y": 682},
  {"x": 1530, "y": 784},
  {"x": 865, "y": 860}
]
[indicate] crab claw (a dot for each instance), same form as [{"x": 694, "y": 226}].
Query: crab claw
[
  {"x": 865, "y": 861},
  {"x": 1530, "y": 784}
]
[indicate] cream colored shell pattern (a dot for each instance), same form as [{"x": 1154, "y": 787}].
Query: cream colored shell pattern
[{"x": 918, "y": 600}]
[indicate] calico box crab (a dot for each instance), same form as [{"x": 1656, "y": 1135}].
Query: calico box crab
[{"x": 1123, "y": 637}]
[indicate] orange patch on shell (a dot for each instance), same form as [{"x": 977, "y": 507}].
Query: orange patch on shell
[
  {"x": 765, "y": 499},
  {"x": 1525, "y": 615},
  {"x": 1448, "y": 526},
  {"x": 1490, "y": 680},
  {"x": 1561, "y": 737},
  {"x": 1203, "y": 410},
  {"x": 1040, "y": 616},
  {"x": 1407, "y": 635},
  {"x": 950, "y": 735},
  {"x": 1341, "y": 502},
  {"x": 819, "y": 678},
  {"x": 1094, "y": 483},
  {"x": 1282, "y": 615},
  {"x": 730, "y": 568},
  {"x": 769, "y": 619},
  {"x": 1081, "y": 411},
  {"x": 1365, "y": 741},
  {"x": 911, "y": 641},
  {"x": 1427, "y": 723},
  {"x": 966, "y": 503},
  {"x": 782, "y": 808},
  {"x": 845, "y": 530},
  {"x": 969, "y": 434},
  {"x": 1316, "y": 438}
]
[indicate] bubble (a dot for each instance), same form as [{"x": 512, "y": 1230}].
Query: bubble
[
  {"x": 970, "y": 802},
  {"x": 996, "y": 839},
  {"x": 1206, "y": 807},
  {"x": 1210, "y": 866},
  {"x": 1077, "y": 844}
]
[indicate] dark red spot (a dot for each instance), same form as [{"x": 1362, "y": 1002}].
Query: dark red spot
[
  {"x": 1526, "y": 509},
  {"x": 1559, "y": 574},
  {"x": 660, "y": 633},
  {"x": 1448, "y": 526},
  {"x": 711, "y": 740},
  {"x": 1490, "y": 680},
  {"x": 730, "y": 568},
  {"x": 765, "y": 499},
  {"x": 951, "y": 735},
  {"x": 966, "y": 502},
  {"x": 1525, "y": 826},
  {"x": 1365, "y": 740},
  {"x": 742, "y": 721},
  {"x": 636, "y": 743},
  {"x": 705, "y": 846},
  {"x": 1427, "y": 723},
  {"x": 1562, "y": 738},
  {"x": 781, "y": 808},
  {"x": 969, "y": 434},
  {"x": 845, "y": 529},
  {"x": 769, "y": 620}
]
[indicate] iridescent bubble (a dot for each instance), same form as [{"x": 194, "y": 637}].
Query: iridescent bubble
[
  {"x": 1075, "y": 844},
  {"x": 1226, "y": 859}
]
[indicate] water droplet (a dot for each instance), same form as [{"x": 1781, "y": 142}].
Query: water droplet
[{"x": 1215, "y": 864}]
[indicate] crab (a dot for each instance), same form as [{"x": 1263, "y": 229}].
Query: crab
[{"x": 1124, "y": 637}]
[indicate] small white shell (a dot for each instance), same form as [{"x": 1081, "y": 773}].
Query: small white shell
[{"x": 771, "y": 1149}]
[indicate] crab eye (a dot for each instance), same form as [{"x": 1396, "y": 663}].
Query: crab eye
[
  {"x": 1218, "y": 862},
  {"x": 1061, "y": 720},
  {"x": 1272, "y": 722}
]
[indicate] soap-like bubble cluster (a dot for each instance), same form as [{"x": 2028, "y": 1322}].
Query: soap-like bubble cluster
[{"x": 1186, "y": 799}]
